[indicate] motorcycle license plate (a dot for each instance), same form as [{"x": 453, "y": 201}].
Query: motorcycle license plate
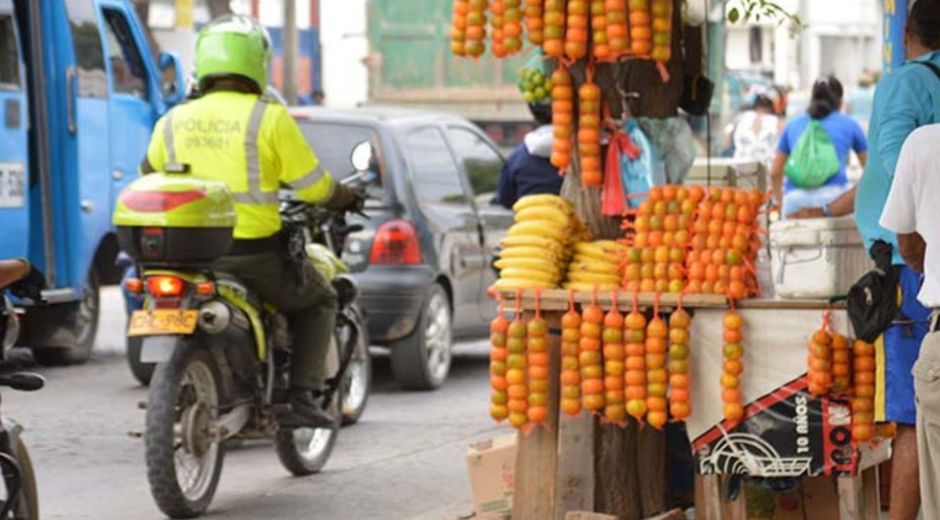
[{"x": 162, "y": 321}]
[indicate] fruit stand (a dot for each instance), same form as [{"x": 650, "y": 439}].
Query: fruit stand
[
  {"x": 635, "y": 300},
  {"x": 584, "y": 462}
]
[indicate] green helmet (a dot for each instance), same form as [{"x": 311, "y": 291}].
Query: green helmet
[{"x": 233, "y": 45}]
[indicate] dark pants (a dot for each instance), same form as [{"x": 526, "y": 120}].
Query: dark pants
[{"x": 310, "y": 308}]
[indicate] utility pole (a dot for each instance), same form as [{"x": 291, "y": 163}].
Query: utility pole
[{"x": 289, "y": 57}]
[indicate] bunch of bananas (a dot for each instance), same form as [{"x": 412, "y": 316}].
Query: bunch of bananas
[
  {"x": 536, "y": 249},
  {"x": 597, "y": 264}
]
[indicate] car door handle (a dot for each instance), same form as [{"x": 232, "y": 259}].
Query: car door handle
[{"x": 472, "y": 262}]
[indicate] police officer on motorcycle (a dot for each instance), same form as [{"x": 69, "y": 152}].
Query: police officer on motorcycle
[{"x": 233, "y": 134}]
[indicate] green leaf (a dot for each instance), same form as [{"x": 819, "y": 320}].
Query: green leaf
[{"x": 734, "y": 15}]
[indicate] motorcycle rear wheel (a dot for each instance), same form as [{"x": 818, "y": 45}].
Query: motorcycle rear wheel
[
  {"x": 304, "y": 451},
  {"x": 183, "y": 407}
]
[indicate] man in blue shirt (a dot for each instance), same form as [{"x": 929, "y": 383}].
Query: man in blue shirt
[
  {"x": 904, "y": 100},
  {"x": 528, "y": 169}
]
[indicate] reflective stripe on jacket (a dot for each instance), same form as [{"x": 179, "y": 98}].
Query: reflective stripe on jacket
[{"x": 250, "y": 144}]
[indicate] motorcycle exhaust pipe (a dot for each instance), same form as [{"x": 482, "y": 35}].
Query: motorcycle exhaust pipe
[{"x": 216, "y": 317}]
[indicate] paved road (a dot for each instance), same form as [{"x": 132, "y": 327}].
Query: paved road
[{"x": 403, "y": 461}]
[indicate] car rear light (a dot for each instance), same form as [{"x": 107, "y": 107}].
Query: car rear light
[
  {"x": 134, "y": 285},
  {"x": 159, "y": 201},
  {"x": 396, "y": 243},
  {"x": 165, "y": 286}
]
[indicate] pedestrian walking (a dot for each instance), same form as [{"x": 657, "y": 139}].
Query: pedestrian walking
[
  {"x": 912, "y": 212},
  {"x": 904, "y": 100},
  {"x": 809, "y": 168}
]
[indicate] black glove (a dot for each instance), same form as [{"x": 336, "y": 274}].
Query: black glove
[
  {"x": 30, "y": 286},
  {"x": 345, "y": 199}
]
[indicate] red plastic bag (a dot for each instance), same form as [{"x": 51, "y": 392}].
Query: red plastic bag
[{"x": 612, "y": 196}]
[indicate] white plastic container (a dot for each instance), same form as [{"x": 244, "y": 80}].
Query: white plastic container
[{"x": 816, "y": 258}]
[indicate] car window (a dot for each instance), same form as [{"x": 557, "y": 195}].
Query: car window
[
  {"x": 128, "y": 75},
  {"x": 434, "y": 174},
  {"x": 89, "y": 54},
  {"x": 333, "y": 143},
  {"x": 480, "y": 161},
  {"x": 9, "y": 57}
]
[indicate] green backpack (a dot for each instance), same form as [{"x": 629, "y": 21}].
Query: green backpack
[{"x": 814, "y": 159}]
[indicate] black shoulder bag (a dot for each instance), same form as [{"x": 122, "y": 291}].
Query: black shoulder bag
[{"x": 873, "y": 300}]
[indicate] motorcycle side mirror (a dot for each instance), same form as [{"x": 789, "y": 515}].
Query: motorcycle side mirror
[{"x": 361, "y": 156}]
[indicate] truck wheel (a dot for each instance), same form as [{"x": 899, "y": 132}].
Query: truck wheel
[
  {"x": 143, "y": 372},
  {"x": 422, "y": 360},
  {"x": 82, "y": 319}
]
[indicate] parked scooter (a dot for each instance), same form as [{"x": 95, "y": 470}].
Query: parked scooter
[
  {"x": 21, "y": 501},
  {"x": 222, "y": 354}
]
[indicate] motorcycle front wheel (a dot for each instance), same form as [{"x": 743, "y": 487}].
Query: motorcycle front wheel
[
  {"x": 304, "y": 451},
  {"x": 184, "y": 457}
]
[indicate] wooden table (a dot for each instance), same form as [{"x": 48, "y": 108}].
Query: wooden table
[{"x": 580, "y": 464}]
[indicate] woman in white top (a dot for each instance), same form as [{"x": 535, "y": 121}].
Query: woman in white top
[{"x": 755, "y": 133}]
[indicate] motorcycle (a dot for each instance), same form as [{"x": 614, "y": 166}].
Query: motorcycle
[
  {"x": 223, "y": 355},
  {"x": 21, "y": 500},
  {"x": 332, "y": 230}
]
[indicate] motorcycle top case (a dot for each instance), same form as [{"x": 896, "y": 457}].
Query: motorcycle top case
[{"x": 167, "y": 218}]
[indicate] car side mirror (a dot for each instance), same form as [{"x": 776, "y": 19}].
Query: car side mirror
[
  {"x": 362, "y": 156},
  {"x": 172, "y": 84}
]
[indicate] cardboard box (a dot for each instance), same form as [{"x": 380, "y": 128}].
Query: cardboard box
[{"x": 492, "y": 468}]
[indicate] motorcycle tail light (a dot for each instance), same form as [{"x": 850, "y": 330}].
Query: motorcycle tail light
[
  {"x": 205, "y": 288},
  {"x": 165, "y": 286},
  {"x": 396, "y": 243}
]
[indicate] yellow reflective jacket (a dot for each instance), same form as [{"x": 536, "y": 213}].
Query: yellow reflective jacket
[{"x": 250, "y": 144}]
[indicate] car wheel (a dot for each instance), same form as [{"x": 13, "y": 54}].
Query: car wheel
[
  {"x": 82, "y": 319},
  {"x": 422, "y": 360}
]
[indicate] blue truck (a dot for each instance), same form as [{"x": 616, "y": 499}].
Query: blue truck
[{"x": 80, "y": 91}]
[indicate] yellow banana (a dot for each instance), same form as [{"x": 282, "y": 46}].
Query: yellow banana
[
  {"x": 596, "y": 257},
  {"x": 585, "y": 286},
  {"x": 547, "y": 244},
  {"x": 594, "y": 267},
  {"x": 536, "y": 264},
  {"x": 593, "y": 278},
  {"x": 547, "y": 213},
  {"x": 530, "y": 252},
  {"x": 505, "y": 284},
  {"x": 539, "y": 228},
  {"x": 528, "y": 274},
  {"x": 531, "y": 201}
]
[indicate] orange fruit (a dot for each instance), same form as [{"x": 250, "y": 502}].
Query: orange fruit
[
  {"x": 593, "y": 402},
  {"x": 679, "y": 380},
  {"x": 680, "y": 409},
  {"x": 864, "y": 364},
  {"x": 731, "y": 395},
  {"x": 729, "y": 381},
  {"x": 733, "y": 367},
  {"x": 571, "y": 406},
  {"x": 862, "y": 432},
  {"x": 679, "y": 394},
  {"x": 732, "y": 321},
  {"x": 733, "y": 412},
  {"x": 592, "y": 386},
  {"x": 518, "y": 419},
  {"x": 518, "y": 405},
  {"x": 570, "y": 377},
  {"x": 537, "y": 414}
]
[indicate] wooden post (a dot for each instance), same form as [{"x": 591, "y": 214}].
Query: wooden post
[
  {"x": 650, "y": 461},
  {"x": 538, "y": 449},
  {"x": 574, "y": 489},
  {"x": 850, "y": 488},
  {"x": 707, "y": 497},
  {"x": 871, "y": 494},
  {"x": 736, "y": 510},
  {"x": 617, "y": 488}
]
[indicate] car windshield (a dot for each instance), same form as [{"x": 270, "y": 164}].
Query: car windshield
[{"x": 333, "y": 144}]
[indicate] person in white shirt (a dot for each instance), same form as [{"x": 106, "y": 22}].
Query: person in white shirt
[{"x": 913, "y": 212}]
